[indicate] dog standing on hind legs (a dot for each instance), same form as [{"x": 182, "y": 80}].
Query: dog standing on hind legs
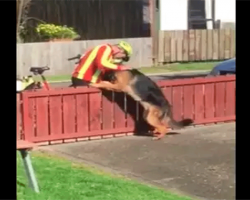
[{"x": 157, "y": 109}]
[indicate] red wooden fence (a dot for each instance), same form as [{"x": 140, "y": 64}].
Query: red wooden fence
[{"x": 70, "y": 113}]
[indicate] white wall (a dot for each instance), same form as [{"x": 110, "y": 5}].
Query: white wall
[
  {"x": 225, "y": 10},
  {"x": 173, "y": 14},
  {"x": 208, "y": 10}
]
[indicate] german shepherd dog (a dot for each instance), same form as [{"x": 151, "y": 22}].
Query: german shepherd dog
[{"x": 157, "y": 109}]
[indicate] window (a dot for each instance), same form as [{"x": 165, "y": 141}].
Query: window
[{"x": 197, "y": 18}]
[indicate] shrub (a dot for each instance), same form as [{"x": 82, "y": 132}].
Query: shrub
[{"x": 52, "y": 31}]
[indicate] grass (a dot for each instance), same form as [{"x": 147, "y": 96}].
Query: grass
[
  {"x": 61, "y": 179},
  {"x": 155, "y": 70}
]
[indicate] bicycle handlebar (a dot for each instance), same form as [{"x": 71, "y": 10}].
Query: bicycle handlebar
[{"x": 76, "y": 57}]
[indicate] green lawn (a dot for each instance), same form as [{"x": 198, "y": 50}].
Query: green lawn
[
  {"x": 60, "y": 179},
  {"x": 155, "y": 70}
]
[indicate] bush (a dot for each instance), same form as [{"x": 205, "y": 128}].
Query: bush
[{"x": 52, "y": 31}]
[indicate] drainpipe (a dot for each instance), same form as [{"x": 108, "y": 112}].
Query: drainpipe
[{"x": 213, "y": 12}]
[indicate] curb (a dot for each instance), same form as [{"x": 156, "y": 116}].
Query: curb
[{"x": 154, "y": 74}]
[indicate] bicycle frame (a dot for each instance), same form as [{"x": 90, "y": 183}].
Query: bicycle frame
[
  {"x": 36, "y": 84},
  {"x": 45, "y": 83}
]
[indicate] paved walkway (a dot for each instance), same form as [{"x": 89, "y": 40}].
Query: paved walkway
[{"x": 199, "y": 162}]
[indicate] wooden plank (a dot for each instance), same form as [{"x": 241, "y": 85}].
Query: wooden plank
[
  {"x": 185, "y": 45},
  {"x": 18, "y": 117},
  {"x": 29, "y": 116},
  {"x": 130, "y": 108},
  {"x": 95, "y": 111},
  {"x": 227, "y": 43},
  {"x": 173, "y": 46},
  {"x": 197, "y": 45},
  {"x": 167, "y": 91},
  {"x": 201, "y": 80},
  {"x": 209, "y": 44},
  {"x": 42, "y": 117},
  {"x": 177, "y": 95},
  {"x": 143, "y": 57},
  {"x": 56, "y": 115},
  {"x": 230, "y": 99},
  {"x": 232, "y": 44},
  {"x": 69, "y": 114},
  {"x": 219, "y": 99},
  {"x": 203, "y": 45},
  {"x": 155, "y": 43},
  {"x": 82, "y": 113},
  {"x": 107, "y": 110},
  {"x": 179, "y": 38},
  {"x": 215, "y": 44},
  {"x": 209, "y": 100},
  {"x": 215, "y": 120},
  {"x": 22, "y": 144},
  {"x": 161, "y": 44},
  {"x": 199, "y": 102},
  {"x": 119, "y": 110},
  {"x": 222, "y": 44},
  {"x": 191, "y": 55},
  {"x": 188, "y": 101},
  {"x": 167, "y": 46},
  {"x": 87, "y": 134}
]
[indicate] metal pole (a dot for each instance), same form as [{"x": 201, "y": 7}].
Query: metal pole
[
  {"x": 29, "y": 170},
  {"x": 213, "y": 12}
]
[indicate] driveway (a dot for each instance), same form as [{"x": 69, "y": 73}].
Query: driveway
[{"x": 199, "y": 161}]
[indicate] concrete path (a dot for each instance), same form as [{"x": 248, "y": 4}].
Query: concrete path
[{"x": 199, "y": 162}]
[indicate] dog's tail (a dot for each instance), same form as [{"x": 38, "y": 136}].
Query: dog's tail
[
  {"x": 179, "y": 124},
  {"x": 176, "y": 124}
]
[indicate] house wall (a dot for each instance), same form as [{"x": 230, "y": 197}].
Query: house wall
[
  {"x": 225, "y": 11},
  {"x": 174, "y": 14}
]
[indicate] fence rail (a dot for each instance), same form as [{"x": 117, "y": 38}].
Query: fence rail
[
  {"x": 194, "y": 45},
  {"x": 71, "y": 113}
]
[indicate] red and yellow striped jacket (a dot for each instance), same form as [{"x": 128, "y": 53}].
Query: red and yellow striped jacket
[{"x": 94, "y": 63}]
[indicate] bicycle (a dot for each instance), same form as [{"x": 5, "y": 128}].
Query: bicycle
[{"x": 28, "y": 82}]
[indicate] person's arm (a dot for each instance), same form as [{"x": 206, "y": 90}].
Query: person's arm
[{"x": 102, "y": 58}]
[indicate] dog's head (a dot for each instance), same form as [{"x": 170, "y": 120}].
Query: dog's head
[{"x": 109, "y": 76}]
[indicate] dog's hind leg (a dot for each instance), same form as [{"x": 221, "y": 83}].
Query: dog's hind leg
[
  {"x": 162, "y": 130},
  {"x": 155, "y": 132},
  {"x": 153, "y": 119}
]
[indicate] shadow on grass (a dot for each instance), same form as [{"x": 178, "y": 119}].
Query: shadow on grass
[{"x": 20, "y": 183}]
